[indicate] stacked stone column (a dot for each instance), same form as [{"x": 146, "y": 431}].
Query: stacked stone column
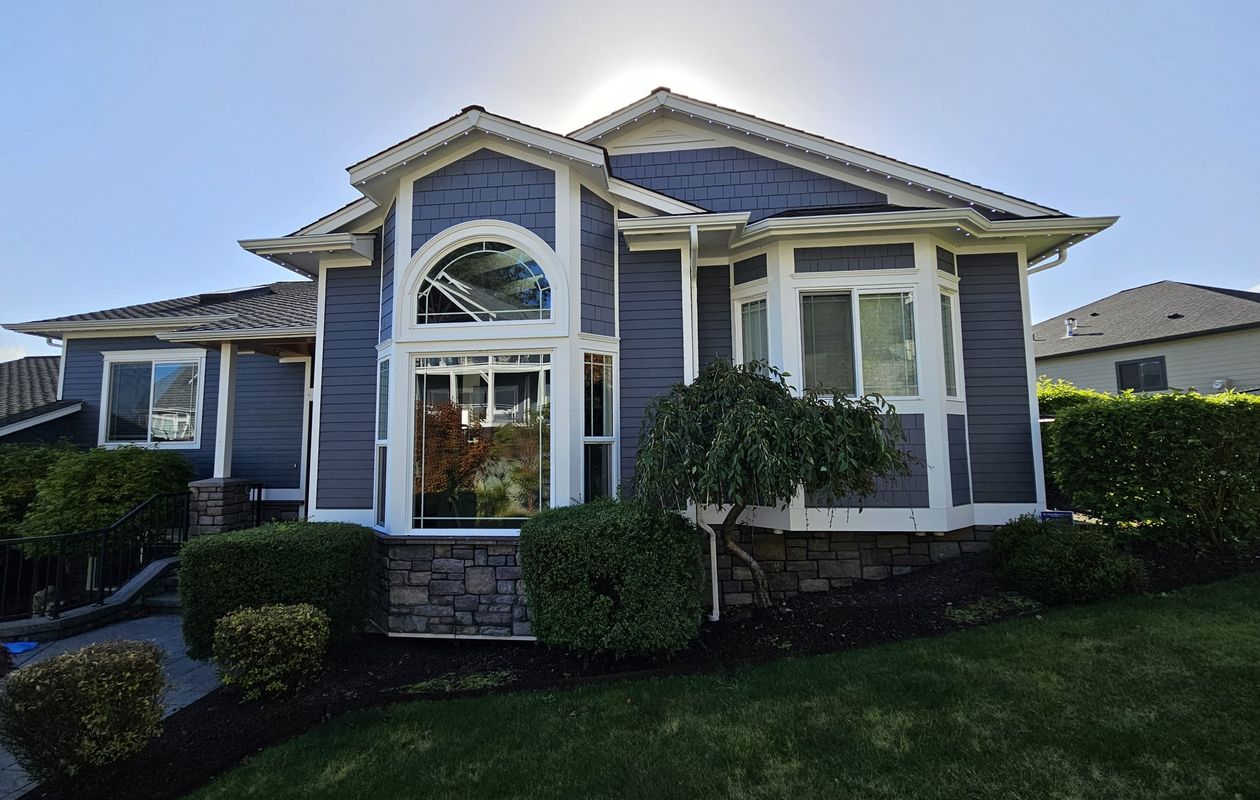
[{"x": 219, "y": 504}]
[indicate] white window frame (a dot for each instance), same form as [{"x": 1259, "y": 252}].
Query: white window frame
[
  {"x": 955, "y": 328},
  {"x": 153, "y": 357},
  {"x": 380, "y": 483},
  {"x": 612, "y": 439},
  {"x": 737, "y": 316},
  {"x": 857, "y": 292}
]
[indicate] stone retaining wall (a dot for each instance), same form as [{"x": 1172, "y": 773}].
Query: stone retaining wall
[
  {"x": 456, "y": 587},
  {"x": 805, "y": 561}
]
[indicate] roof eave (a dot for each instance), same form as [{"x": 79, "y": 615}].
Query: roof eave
[
  {"x": 54, "y": 328},
  {"x": 1152, "y": 340},
  {"x": 31, "y": 422},
  {"x": 303, "y": 254},
  {"x": 240, "y": 334}
]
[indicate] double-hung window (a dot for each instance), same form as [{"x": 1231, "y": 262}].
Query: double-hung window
[
  {"x": 152, "y": 400},
  {"x": 859, "y": 342},
  {"x": 597, "y": 426},
  {"x": 947, "y": 342},
  {"x": 754, "y": 331}
]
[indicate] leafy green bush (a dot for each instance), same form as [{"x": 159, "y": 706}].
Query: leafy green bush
[
  {"x": 22, "y": 466},
  {"x": 327, "y": 564},
  {"x": 612, "y": 576},
  {"x": 83, "y": 709},
  {"x": 1180, "y": 464},
  {"x": 92, "y": 489},
  {"x": 270, "y": 650},
  {"x": 1056, "y": 396},
  {"x": 1057, "y": 562}
]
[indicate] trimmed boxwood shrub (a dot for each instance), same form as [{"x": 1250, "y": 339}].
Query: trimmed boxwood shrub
[
  {"x": 612, "y": 576},
  {"x": 92, "y": 489},
  {"x": 1184, "y": 465},
  {"x": 1057, "y": 562},
  {"x": 1055, "y": 397},
  {"x": 326, "y": 564},
  {"x": 83, "y": 709},
  {"x": 22, "y": 466},
  {"x": 270, "y": 650}
]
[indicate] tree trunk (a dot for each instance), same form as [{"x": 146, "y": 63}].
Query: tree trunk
[{"x": 761, "y": 585}]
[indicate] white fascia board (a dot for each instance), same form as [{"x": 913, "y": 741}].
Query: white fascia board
[
  {"x": 341, "y": 217},
  {"x": 55, "y": 329},
  {"x": 40, "y": 420},
  {"x": 303, "y": 254},
  {"x": 250, "y": 334},
  {"x": 676, "y": 223},
  {"x": 650, "y": 199},
  {"x": 861, "y": 159}
]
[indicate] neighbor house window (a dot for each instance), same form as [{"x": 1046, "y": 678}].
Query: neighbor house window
[
  {"x": 872, "y": 351},
  {"x": 484, "y": 282},
  {"x": 597, "y": 426},
  {"x": 754, "y": 331},
  {"x": 152, "y": 401},
  {"x": 947, "y": 342},
  {"x": 1142, "y": 375},
  {"x": 482, "y": 442}
]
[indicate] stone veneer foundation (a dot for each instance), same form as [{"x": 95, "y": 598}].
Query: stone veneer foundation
[{"x": 452, "y": 587}]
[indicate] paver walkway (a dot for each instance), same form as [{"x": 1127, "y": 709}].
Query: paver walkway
[{"x": 190, "y": 680}]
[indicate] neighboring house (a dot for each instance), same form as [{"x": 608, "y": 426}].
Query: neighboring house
[
  {"x": 483, "y": 329},
  {"x": 1152, "y": 338},
  {"x": 30, "y": 409}
]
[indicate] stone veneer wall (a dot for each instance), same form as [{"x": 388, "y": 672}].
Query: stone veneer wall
[
  {"x": 457, "y": 587},
  {"x": 816, "y": 561}
]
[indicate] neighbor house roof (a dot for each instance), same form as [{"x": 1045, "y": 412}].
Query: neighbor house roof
[
  {"x": 284, "y": 305},
  {"x": 1156, "y": 312},
  {"x": 28, "y": 391}
]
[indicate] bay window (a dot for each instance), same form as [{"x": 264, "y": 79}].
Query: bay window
[
  {"x": 482, "y": 440},
  {"x": 151, "y": 401},
  {"x": 754, "y": 331},
  {"x": 597, "y": 426},
  {"x": 871, "y": 351},
  {"x": 382, "y": 437},
  {"x": 947, "y": 341}
]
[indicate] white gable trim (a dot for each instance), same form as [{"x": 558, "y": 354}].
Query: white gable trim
[{"x": 40, "y": 420}]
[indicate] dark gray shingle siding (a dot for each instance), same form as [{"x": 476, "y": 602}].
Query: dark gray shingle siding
[
  {"x": 910, "y": 491},
  {"x": 484, "y": 185},
  {"x": 713, "y": 313},
  {"x": 651, "y": 339},
  {"x": 750, "y": 269},
  {"x": 945, "y": 261},
  {"x": 729, "y": 179},
  {"x": 267, "y": 429},
  {"x": 996, "y": 372},
  {"x": 959, "y": 469},
  {"x": 348, "y": 391},
  {"x": 854, "y": 257},
  {"x": 598, "y": 312},
  {"x": 387, "y": 273}
]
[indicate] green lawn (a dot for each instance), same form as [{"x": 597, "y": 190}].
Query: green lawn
[{"x": 1153, "y": 697}]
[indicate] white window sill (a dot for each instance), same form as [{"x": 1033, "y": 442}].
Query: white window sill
[{"x": 152, "y": 445}]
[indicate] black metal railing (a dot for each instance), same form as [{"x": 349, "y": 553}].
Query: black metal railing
[
  {"x": 256, "y": 503},
  {"x": 46, "y": 575}
]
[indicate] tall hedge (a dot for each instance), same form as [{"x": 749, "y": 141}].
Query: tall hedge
[
  {"x": 1056, "y": 396},
  {"x": 612, "y": 576},
  {"x": 22, "y": 467},
  {"x": 91, "y": 489},
  {"x": 1182, "y": 464},
  {"x": 326, "y": 564}
]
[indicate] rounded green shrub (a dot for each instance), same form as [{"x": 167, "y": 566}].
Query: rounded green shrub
[
  {"x": 270, "y": 650},
  {"x": 1057, "y": 562},
  {"x": 327, "y": 564},
  {"x": 1056, "y": 396},
  {"x": 22, "y": 467},
  {"x": 82, "y": 709},
  {"x": 612, "y": 576}
]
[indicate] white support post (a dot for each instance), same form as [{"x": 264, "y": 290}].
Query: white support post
[{"x": 226, "y": 411}]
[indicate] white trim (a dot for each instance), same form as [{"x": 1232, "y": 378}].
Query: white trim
[
  {"x": 1030, "y": 366},
  {"x": 239, "y": 334},
  {"x": 313, "y": 468},
  {"x": 283, "y": 495},
  {"x": 152, "y": 357},
  {"x": 61, "y": 369},
  {"x": 1001, "y": 513},
  {"x": 307, "y": 399},
  {"x": 641, "y": 196},
  {"x": 225, "y": 411},
  {"x": 40, "y": 420},
  {"x": 329, "y": 223},
  {"x": 479, "y": 636},
  {"x": 112, "y": 327},
  {"x": 306, "y": 254},
  {"x": 358, "y": 516}
]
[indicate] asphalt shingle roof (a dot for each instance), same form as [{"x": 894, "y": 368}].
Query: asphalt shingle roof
[
  {"x": 1151, "y": 313},
  {"x": 28, "y": 388}
]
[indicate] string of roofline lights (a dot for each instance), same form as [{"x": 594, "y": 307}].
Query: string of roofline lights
[{"x": 691, "y": 115}]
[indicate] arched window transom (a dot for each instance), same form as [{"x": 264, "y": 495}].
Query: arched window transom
[{"x": 484, "y": 281}]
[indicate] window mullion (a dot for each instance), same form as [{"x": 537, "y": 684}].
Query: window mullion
[{"x": 859, "y": 385}]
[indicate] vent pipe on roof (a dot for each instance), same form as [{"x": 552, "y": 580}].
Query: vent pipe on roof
[{"x": 1070, "y": 325}]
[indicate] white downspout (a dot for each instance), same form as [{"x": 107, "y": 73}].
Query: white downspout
[
  {"x": 1033, "y": 269},
  {"x": 716, "y": 613}
]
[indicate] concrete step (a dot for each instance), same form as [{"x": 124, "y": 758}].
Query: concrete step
[{"x": 163, "y": 603}]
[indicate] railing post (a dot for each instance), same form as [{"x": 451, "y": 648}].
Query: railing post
[
  {"x": 61, "y": 552},
  {"x": 100, "y": 568}
]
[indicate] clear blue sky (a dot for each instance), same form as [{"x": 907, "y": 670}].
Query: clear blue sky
[{"x": 141, "y": 140}]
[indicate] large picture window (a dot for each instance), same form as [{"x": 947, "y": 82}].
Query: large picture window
[
  {"x": 484, "y": 282},
  {"x": 870, "y": 352},
  {"x": 152, "y": 402},
  {"x": 482, "y": 446},
  {"x": 597, "y": 426}
]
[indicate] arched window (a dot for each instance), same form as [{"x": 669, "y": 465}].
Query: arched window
[{"x": 484, "y": 282}]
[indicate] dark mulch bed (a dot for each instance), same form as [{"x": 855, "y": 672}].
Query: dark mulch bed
[{"x": 218, "y": 732}]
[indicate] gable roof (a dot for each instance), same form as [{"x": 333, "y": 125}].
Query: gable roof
[
  {"x": 1156, "y": 312},
  {"x": 28, "y": 390},
  {"x": 283, "y": 305},
  {"x": 988, "y": 200}
]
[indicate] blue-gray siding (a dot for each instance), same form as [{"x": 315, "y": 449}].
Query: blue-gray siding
[
  {"x": 730, "y": 179},
  {"x": 909, "y": 491},
  {"x": 945, "y": 261},
  {"x": 959, "y": 469},
  {"x": 348, "y": 391},
  {"x": 854, "y": 257},
  {"x": 484, "y": 185},
  {"x": 387, "y": 273},
  {"x": 267, "y": 425},
  {"x": 650, "y": 286},
  {"x": 598, "y": 311},
  {"x": 750, "y": 269},
  {"x": 713, "y": 313},
  {"x": 82, "y": 381},
  {"x": 996, "y": 371}
]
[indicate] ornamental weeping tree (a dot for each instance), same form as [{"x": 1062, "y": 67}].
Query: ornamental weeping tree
[{"x": 739, "y": 436}]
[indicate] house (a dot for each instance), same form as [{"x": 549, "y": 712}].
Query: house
[
  {"x": 30, "y": 409},
  {"x": 1165, "y": 335},
  {"x": 477, "y": 336}
]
